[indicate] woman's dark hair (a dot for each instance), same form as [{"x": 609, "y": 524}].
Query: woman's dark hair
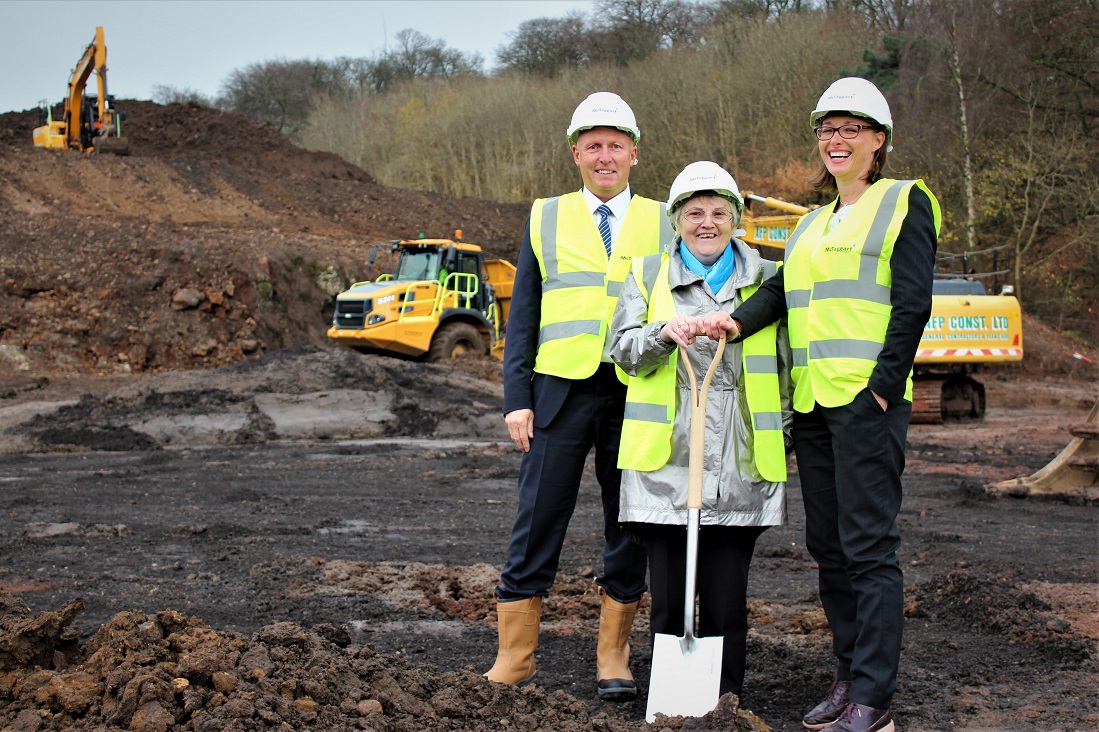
[{"x": 825, "y": 181}]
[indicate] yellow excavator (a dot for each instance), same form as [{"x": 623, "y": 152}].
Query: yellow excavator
[
  {"x": 87, "y": 124},
  {"x": 968, "y": 328}
]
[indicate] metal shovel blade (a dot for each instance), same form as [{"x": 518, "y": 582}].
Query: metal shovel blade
[
  {"x": 686, "y": 672},
  {"x": 685, "y": 677}
]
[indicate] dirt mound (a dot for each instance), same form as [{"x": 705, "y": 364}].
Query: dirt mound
[
  {"x": 992, "y": 604},
  {"x": 1051, "y": 352},
  {"x": 214, "y": 241},
  {"x": 148, "y": 672}
]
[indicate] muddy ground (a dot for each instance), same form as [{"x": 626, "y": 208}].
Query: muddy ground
[
  {"x": 309, "y": 541},
  {"x": 211, "y": 520}
]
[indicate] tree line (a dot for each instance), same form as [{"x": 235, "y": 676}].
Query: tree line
[{"x": 995, "y": 104}]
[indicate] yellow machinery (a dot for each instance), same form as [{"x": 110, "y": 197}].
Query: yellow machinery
[
  {"x": 88, "y": 124},
  {"x": 968, "y": 327},
  {"x": 771, "y": 230},
  {"x": 1073, "y": 472},
  {"x": 443, "y": 300}
]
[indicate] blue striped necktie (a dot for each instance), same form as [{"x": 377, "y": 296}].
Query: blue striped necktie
[{"x": 605, "y": 226}]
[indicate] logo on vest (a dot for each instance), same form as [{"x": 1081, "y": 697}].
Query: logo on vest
[{"x": 839, "y": 249}]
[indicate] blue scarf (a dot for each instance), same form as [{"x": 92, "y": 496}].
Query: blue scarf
[{"x": 718, "y": 273}]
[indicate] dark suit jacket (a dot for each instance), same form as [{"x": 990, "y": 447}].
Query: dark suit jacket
[{"x": 524, "y": 389}]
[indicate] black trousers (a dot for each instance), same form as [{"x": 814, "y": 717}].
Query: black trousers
[
  {"x": 724, "y": 556},
  {"x": 850, "y": 461},
  {"x": 549, "y": 482}
]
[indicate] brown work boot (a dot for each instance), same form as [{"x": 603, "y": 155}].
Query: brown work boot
[
  {"x": 859, "y": 718},
  {"x": 829, "y": 710},
  {"x": 612, "y": 656},
  {"x": 517, "y": 623}
]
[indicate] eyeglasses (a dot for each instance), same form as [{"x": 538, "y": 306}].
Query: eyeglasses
[
  {"x": 697, "y": 216},
  {"x": 847, "y": 132}
]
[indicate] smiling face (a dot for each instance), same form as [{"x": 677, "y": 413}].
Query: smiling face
[
  {"x": 849, "y": 161},
  {"x": 705, "y": 237},
  {"x": 604, "y": 156}
]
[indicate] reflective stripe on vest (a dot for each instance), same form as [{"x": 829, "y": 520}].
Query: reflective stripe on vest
[
  {"x": 650, "y": 399},
  {"x": 838, "y": 287},
  {"x": 577, "y": 279}
]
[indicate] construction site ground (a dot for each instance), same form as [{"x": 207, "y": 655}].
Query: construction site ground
[{"x": 210, "y": 519}]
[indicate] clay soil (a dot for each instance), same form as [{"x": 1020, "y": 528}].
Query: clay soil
[{"x": 212, "y": 520}]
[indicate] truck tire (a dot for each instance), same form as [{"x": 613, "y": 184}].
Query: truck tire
[{"x": 455, "y": 339}]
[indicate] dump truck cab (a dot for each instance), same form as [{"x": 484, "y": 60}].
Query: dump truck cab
[{"x": 442, "y": 300}]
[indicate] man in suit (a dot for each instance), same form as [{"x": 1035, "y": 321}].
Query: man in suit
[{"x": 562, "y": 396}]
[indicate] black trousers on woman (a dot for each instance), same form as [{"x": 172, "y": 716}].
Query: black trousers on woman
[
  {"x": 850, "y": 460},
  {"x": 724, "y": 556}
]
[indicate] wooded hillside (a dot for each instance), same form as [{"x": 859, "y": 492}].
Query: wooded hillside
[{"x": 995, "y": 105}]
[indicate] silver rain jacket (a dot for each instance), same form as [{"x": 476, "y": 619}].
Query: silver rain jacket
[{"x": 733, "y": 493}]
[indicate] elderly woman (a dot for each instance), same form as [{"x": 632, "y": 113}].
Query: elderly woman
[
  {"x": 856, "y": 290},
  {"x": 747, "y": 413}
]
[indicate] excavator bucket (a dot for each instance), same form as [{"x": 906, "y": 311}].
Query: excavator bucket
[
  {"x": 112, "y": 145},
  {"x": 1074, "y": 472}
]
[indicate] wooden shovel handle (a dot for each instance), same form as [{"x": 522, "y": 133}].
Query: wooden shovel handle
[{"x": 698, "y": 425}]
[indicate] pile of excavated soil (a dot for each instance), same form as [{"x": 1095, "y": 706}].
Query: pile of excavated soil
[
  {"x": 168, "y": 670},
  {"x": 215, "y": 240}
]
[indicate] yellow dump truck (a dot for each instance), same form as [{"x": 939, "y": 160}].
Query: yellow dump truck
[
  {"x": 443, "y": 299},
  {"x": 968, "y": 328}
]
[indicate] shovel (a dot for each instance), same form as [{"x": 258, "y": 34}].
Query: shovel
[{"x": 686, "y": 672}]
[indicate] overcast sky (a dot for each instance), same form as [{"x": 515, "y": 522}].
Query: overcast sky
[{"x": 189, "y": 44}]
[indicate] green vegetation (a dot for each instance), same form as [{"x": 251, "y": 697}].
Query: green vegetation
[
  {"x": 265, "y": 292},
  {"x": 996, "y": 106}
]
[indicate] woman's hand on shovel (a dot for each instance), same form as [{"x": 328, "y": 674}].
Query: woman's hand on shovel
[{"x": 682, "y": 329}]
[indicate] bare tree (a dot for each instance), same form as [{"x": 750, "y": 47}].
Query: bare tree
[
  {"x": 967, "y": 157},
  {"x": 420, "y": 56},
  {"x": 630, "y": 30},
  {"x": 163, "y": 94},
  {"x": 547, "y": 46},
  {"x": 278, "y": 93},
  {"x": 1046, "y": 168},
  {"x": 886, "y": 15}
]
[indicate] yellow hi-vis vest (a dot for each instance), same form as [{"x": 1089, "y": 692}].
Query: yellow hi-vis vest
[
  {"x": 650, "y": 399},
  {"x": 838, "y": 293},
  {"x": 580, "y": 283}
]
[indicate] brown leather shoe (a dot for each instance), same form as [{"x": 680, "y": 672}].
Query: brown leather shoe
[
  {"x": 829, "y": 710},
  {"x": 859, "y": 718}
]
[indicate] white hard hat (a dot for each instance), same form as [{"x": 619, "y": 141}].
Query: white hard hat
[
  {"x": 859, "y": 97},
  {"x": 603, "y": 109},
  {"x": 703, "y": 176}
]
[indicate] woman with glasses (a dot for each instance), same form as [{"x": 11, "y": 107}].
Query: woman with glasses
[
  {"x": 703, "y": 270},
  {"x": 855, "y": 289}
]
